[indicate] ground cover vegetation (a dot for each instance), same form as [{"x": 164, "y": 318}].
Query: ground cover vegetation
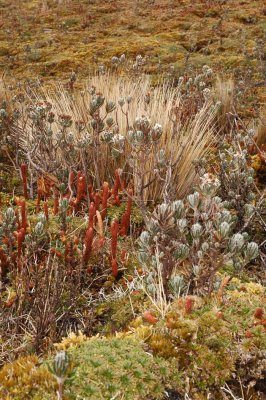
[{"x": 132, "y": 201}]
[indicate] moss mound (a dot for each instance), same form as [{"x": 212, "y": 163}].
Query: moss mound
[{"x": 104, "y": 369}]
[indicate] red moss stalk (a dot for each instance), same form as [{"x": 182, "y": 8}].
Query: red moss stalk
[
  {"x": 24, "y": 170},
  {"x": 188, "y": 305},
  {"x": 97, "y": 200},
  {"x": 24, "y": 222},
  {"x": 114, "y": 267},
  {"x": 56, "y": 204},
  {"x": 149, "y": 317},
  {"x": 46, "y": 211},
  {"x": 4, "y": 264},
  {"x": 114, "y": 236},
  {"x": 81, "y": 190},
  {"x": 20, "y": 239},
  {"x": 91, "y": 193},
  {"x": 88, "y": 245},
  {"x": 79, "y": 175},
  {"x": 92, "y": 213},
  {"x": 56, "y": 252},
  {"x": 116, "y": 201},
  {"x": 105, "y": 199}
]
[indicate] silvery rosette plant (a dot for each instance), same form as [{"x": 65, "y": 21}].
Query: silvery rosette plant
[
  {"x": 237, "y": 176},
  {"x": 39, "y": 230},
  {"x": 196, "y": 90},
  {"x": 193, "y": 239},
  {"x": 62, "y": 369},
  {"x": 9, "y": 141},
  {"x": 7, "y": 228}
]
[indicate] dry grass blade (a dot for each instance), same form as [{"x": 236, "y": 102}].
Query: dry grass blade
[{"x": 261, "y": 131}]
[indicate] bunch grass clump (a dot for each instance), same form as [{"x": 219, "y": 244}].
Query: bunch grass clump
[{"x": 58, "y": 130}]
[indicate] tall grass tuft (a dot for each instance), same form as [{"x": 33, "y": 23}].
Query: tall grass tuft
[{"x": 184, "y": 140}]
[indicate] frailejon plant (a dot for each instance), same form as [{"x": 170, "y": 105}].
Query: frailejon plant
[{"x": 194, "y": 239}]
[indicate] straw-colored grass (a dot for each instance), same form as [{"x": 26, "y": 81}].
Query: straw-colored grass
[
  {"x": 224, "y": 93},
  {"x": 183, "y": 143},
  {"x": 261, "y": 130}
]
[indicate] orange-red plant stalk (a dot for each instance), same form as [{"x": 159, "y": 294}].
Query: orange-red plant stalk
[
  {"x": 114, "y": 267},
  {"x": 88, "y": 245},
  {"x": 81, "y": 190},
  {"x": 20, "y": 239},
  {"x": 92, "y": 213},
  {"x": 97, "y": 200},
  {"x": 91, "y": 193},
  {"x": 46, "y": 211},
  {"x": 56, "y": 204},
  {"x": 105, "y": 199},
  {"x": 114, "y": 235},
  {"x": 24, "y": 222}
]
